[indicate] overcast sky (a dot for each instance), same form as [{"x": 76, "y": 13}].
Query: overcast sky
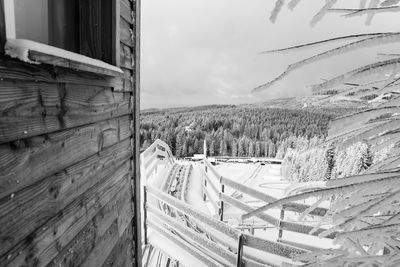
[{"x": 199, "y": 52}]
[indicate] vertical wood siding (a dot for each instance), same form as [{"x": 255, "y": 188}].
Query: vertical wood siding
[{"x": 67, "y": 160}]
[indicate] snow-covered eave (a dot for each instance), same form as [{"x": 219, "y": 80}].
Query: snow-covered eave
[{"x": 38, "y": 53}]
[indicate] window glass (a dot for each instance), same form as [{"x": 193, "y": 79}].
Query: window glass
[
  {"x": 80, "y": 26},
  {"x": 31, "y": 20}
]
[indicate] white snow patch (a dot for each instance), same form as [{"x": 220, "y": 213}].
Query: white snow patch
[{"x": 19, "y": 48}]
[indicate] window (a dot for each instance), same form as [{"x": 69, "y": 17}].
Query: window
[{"x": 86, "y": 27}]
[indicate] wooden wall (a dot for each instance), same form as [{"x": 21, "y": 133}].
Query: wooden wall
[{"x": 68, "y": 159}]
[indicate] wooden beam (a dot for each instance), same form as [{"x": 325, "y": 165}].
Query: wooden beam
[
  {"x": 136, "y": 181},
  {"x": 33, "y": 108},
  {"x": 125, "y": 31},
  {"x": 41, "y": 57},
  {"x": 15, "y": 69},
  {"x": 126, "y": 12},
  {"x": 35, "y": 204},
  {"x": 27, "y": 161},
  {"x": 57, "y": 233},
  {"x": 122, "y": 253}
]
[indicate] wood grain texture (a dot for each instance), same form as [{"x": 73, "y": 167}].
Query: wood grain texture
[
  {"x": 126, "y": 57},
  {"x": 109, "y": 240},
  {"x": 27, "y": 161},
  {"x": 126, "y": 11},
  {"x": 96, "y": 240},
  {"x": 36, "y": 204},
  {"x": 122, "y": 254},
  {"x": 15, "y": 69},
  {"x": 136, "y": 184},
  {"x": 50, "y": 240},
  {"x": 128, "y": 81},
  {"x": 29, "y": 109},
  {"x": 70, "y": 64},
  {"x": 66, "y": 167},
  {"x": 126, "y": 33}
]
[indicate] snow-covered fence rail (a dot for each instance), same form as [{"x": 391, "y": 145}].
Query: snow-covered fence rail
[
  {"x": 211, "y": 182},
  {"x": 296, "y": 207},
  {"x": 226, "y": 243},
  {"x": 150, "y": 158},
  {"x": 210, "y": 175},
  {"x": 223, "y": 181},
  {"x": 278, "y": 223}
]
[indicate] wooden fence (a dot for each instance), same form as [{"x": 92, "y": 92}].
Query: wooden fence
[
  {"x": 226, "y": 245},
  {"x": 219, "y": 185},
  {"x": 217, "y": 243}
]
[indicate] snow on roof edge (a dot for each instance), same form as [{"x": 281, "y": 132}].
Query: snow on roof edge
[{"x": 19, "y": 48}]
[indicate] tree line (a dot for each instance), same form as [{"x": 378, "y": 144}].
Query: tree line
[{"x": 238, "y": 131}]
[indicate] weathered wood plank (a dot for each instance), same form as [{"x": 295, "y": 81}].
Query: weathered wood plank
[
  {"x": 125, "y": 33},
  {"x": 96, "y": 240},
  {"x": 128, "y": 82},
  {"x": 71, "y": 64},
  {"x": 126, "y": 12},
  {"x": 35, "y": 204},
  {"x": 27, "y": 161},
  {"x": 127, "y": 3},
  {"x": 122, "y": 253},
  {"x": 126, "y": 58},
  {"x": 135, "y": 178},
  {"x": 103, "y": 247},
  {"x": 29, "y": 109},
  {"x": 15, "y": 69},
  {"x": 125, "y": 212},
  {"x": 44, "y": 244},
  {"x": 99, "y": 235}
]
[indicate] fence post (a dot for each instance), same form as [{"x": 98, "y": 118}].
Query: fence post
[
  {"x": 239, "y": 258},
  {"x": 280, "y": 233},
  {"x": 145, "y": 214},
  {"x": 204, "y": 187},
  {"x": 221, "y": 203}
]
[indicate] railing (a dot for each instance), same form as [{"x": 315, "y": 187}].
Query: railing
[
  {"x": 209, "y": 187},
  {"x": 220, "y": 248},
  {"x": 209, "y": 239},
  {"x": 153, "y": 156}
]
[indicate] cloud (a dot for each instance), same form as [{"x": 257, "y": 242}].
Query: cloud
[{"x": 201, "y": 52}]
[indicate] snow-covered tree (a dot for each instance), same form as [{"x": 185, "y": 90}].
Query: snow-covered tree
[
  {"x": 234, "y": 149},
  {"x": 365, "y": 210},
  {"x": 241, "y": 151},
  {"x": 251, "y": 149},
  {"x": 223, "y": 148}
]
